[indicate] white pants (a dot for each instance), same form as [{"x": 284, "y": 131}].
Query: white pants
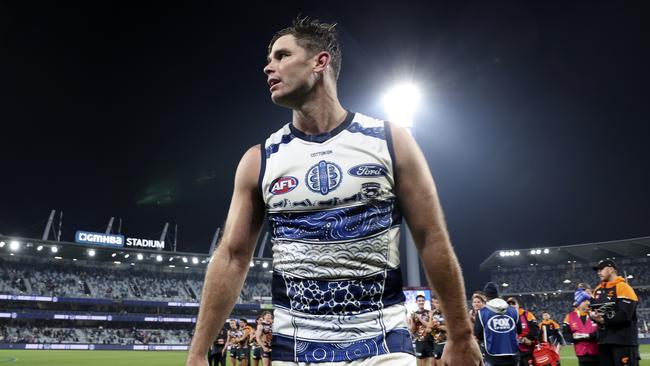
[{"x": 391, "y": 359}]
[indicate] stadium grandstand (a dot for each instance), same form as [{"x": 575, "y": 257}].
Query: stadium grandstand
[
  {"x": 545, "y": 278},
  {"x": 102, "y": 293}
]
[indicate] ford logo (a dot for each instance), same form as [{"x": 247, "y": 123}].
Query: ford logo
[{"x": 368, "y": 170}]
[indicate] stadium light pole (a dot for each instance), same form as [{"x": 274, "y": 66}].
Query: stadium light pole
[{"x": 401, "y": 102}]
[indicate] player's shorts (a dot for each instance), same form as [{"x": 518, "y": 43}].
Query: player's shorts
[
  {"x": 391, "y": 359},
  {"x": 437, "y": 350},
  {"x": 243, "y": 353},
  {"x": 423, "y": 349},
  {"x": 266, "y": 354},
  {"x": 257, "y": 353},
  {"x": 233, "y": 351}
]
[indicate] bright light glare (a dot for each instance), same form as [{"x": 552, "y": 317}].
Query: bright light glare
[
  {"x": 14, "y": 245},
  {"x": 2, "y": 244},
  {"x": 159, "y": 258},
  {"x": 39, "y": 248},
  {"x": 140, "y": 256},
  {"x": 195, "y": 260},
  {"x": 91, "y": 252},
  {"x": 54, "y": 249},
  {"x": 401, "y": 102},
  {"x": 265, "y": 265}
]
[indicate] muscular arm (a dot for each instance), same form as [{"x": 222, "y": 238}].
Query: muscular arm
[
  {"x": 418, "y": 200},
  {"x": 226, "y": 272}
]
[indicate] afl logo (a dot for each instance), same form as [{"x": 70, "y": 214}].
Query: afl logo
[
  {"x": 501, "y": 324},
  {"x": 367, "y": 170},
  {"x": 283, "y": 185},
  {"x": 323, "y": 177}
]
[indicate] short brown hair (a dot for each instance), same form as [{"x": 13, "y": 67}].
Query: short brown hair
[{"x": 314, "y": 36}]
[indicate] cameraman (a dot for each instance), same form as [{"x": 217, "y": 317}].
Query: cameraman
[{"x": 614, "y": 310}]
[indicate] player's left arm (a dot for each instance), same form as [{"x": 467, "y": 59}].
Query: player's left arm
[{"x": 419, "y": 203}]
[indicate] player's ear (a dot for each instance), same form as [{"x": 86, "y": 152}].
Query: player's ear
[{"x": 322, "y": 60}]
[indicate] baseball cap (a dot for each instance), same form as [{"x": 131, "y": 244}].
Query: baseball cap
[{"x": 605, "y": 263}]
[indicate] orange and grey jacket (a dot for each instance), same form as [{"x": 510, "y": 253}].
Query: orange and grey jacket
[{"x": 620, "y": 327}]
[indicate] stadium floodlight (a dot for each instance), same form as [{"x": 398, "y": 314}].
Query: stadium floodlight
[
  {"x": 172, "y": 266},
  {"x": 567, "y": 281},
  {"x": 546, "y": 251},
  {"x": 171, "y": 259},
  {"x": 184, "y": 259},
  {"x": 54, "y": 249},
  {"x": 57, "y": 257},
  {"x": 629, "y": 276},
  {"x": 504, "y": 285},
  {"x": 14, "y": 246},
  {"x": 117, "y": 262},
  {"x": 113, "y": 255},
  {"x": 127, "y": 255},
  {"x": 538, "y": 251},
  {"x": 140, "y": 256},
  {"x": 186, "y": 267},
  {"x": 401, "y": 102},
  {"x": 252, "y": 264},
  {"x": 532, "y": 252},
  {"x": 159, "y": 258},
  {"x": 91, "y": 252},
  {"x": 265, "y": 264},
  {"x": 502, "y": 254},
  {"x": 74, "y": 259},
  {"x": 133, "y": 264},
  {"x": 517, "y": 252},
  {"x": 2, "y": 244},
  {"x": 39, "y": 248},
  {"x": 195, "y": 260}
]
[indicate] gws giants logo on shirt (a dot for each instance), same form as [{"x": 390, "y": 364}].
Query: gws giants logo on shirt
[
  {"x": 368, "y": 171},
  {"x": 501, "y": 324},
  {"x": 283, "y": 185}
]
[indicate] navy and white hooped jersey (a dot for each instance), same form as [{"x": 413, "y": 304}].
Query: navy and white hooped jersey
[{"x": 331, "y": 205}]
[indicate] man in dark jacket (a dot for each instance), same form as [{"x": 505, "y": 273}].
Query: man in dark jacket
[{"x": 614, "y": 310}]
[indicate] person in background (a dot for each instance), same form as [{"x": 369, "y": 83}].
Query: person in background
[
  {"x": 438, "y": 331},
  {"x": 550, "y": 331},
  {"x": 420, "y": 327},
  {"x": 528, "y": 336},
  {"x": 496, "y": 328},
  {"x": 581, "y": 330},
  {"x": 478, "y": 302},
  {"x": 614, "y": 310}
]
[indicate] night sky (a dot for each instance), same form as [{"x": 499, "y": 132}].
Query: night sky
[{"x": 534, "y": 118}]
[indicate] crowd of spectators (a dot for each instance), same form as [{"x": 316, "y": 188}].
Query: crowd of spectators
[
  {"x": 565, "y": 277},
  {"x": 72, "y": 280},
  {"x": 92, "y": 335}
]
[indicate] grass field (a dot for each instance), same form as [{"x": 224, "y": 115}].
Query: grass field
[{"x": 160, "y": 358}]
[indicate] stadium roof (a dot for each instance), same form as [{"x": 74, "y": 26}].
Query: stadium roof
[
  {"x": 577, "y": 253},
  {"x": 69, "y": 250}
]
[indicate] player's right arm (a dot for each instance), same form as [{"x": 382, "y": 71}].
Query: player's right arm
[{"x": 226, "y": 272}]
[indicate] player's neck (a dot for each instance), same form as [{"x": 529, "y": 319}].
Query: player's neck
[{"x": 321, "y": 113}]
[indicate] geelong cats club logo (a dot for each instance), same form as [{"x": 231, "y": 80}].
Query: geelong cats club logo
[
  {"x": 283, "y": 185},
  {"x": 323, "y": 177}
]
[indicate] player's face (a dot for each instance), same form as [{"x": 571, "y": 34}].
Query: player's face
[
  {"x": 584, "y": 306},
  {"x": 434, "y": 304},
  {"x": 233, "y": 324},
  {"x": 268, "y": 318},
  {"x": 477, "y": 304},
  {"x": 289, "y": 71},
  {"x": 546, "y": 316},
  {"x": 420, "y": 301},
  {"x": 243, "y": 325}
]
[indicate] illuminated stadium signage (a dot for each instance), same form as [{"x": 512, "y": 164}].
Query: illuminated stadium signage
[
  {"x": 145, "y": 243},
  {"x": 106, "y": 240}
]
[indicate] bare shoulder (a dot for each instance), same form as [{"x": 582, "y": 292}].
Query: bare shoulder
[
  {"x": 249, "y": 168},
  {"x": 407, "y": 152}
]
